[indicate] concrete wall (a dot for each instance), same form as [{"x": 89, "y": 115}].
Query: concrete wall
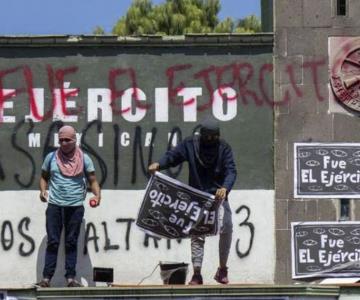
[
  {"x": 306, "y": 110},
  {"x": 49, "y": 81},
  {"x": 110, "y": 238}
]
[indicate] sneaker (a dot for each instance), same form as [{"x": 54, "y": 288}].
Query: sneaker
[
  {"x": 73, "y": 283},
  {"x": 196, "y": 279},
  {"x": 221, "y": 275},
  {"x": 44, "y": 283}
]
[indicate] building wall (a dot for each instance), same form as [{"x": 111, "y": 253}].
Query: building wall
[
  {"x": 307, "y": 35},
  {"x": 127, "y": 98}
]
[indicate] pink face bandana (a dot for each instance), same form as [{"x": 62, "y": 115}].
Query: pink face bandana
[{"x": 69, "y": 157}]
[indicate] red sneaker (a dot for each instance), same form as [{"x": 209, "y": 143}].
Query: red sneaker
[
  {"x": 221, "y": 275},
  {"x": 196, "y": 279}
]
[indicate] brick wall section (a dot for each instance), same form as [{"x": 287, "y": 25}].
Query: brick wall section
[{"x": 302, "y": 29}]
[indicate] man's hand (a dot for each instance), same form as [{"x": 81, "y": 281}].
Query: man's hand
[
  {"x": 154, "y": 167},
  {"x": 44, "y": 196},
  {"x": 97, "y": 200},
  {"x": 95, "y": 188},
  {"x": 220, "y": 194}
]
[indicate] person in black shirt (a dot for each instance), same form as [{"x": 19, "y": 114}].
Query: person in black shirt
[{"x": 211, "y": 169}]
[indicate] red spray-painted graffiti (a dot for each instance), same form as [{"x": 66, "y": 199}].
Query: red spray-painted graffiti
[{"x": 245, "y": 83}]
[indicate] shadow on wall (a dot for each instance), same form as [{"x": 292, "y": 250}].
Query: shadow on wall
[{"x": 84, "y": 268}]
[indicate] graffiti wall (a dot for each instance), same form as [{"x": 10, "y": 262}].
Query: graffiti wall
[
  {"x": 129, "y": 106},
  {"x": 110, "y": 238}
]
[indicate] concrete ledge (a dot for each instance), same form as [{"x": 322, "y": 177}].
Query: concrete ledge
[
  {"x": 180, "y": 291},
  {"x": 265, "y": 39}
]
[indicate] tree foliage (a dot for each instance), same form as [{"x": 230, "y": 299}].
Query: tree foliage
[
  {"x": 249, "y": 24},
  {"x": 98, "y": 30},
  {"x": 178, "y": 17}
]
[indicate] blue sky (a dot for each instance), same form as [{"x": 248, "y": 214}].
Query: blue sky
[{"x": 41, "y": 17}]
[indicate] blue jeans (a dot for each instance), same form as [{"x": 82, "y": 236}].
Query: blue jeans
[{"x": 57, "y": 218}]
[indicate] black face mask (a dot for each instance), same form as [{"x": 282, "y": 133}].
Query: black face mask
[
  {"x": 209, "y": 149},
  {"x": 209, "y": 139}
]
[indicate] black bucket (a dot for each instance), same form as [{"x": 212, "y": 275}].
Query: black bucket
[{"x": 173, "y": 273}]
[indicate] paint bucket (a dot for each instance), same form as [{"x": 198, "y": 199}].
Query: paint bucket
[{"x": 173, "y": 272}]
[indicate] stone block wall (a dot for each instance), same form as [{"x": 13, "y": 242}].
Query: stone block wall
[{"x": 305, "y": 109}]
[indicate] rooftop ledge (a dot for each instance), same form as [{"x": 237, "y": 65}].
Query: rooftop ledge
[
  {"x": 190, "y": 292},
  {"x": 223, "y": 39}
]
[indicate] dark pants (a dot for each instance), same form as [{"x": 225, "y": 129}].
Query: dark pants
[{"x": 57, "y": 218}]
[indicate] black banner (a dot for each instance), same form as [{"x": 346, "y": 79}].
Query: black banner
[
  {"x": 327, "y": 170},
  {"x": 326, "y": 249},
  {"x": 172, "y": 209}
]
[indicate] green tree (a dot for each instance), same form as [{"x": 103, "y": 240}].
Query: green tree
[
  {"x": 225, "y": 26},
  {"x": 120, "y": 27},
  {"x": 98, "y": 30},
  {"x": 250, "y": 24},
  {"x": 177, "y": 17}
]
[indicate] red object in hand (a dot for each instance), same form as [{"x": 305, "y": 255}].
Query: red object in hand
[{"x": 92, "y": 202}]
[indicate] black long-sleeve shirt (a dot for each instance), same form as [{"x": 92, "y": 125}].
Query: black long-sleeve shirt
[{"x": 221, "y": 174}]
